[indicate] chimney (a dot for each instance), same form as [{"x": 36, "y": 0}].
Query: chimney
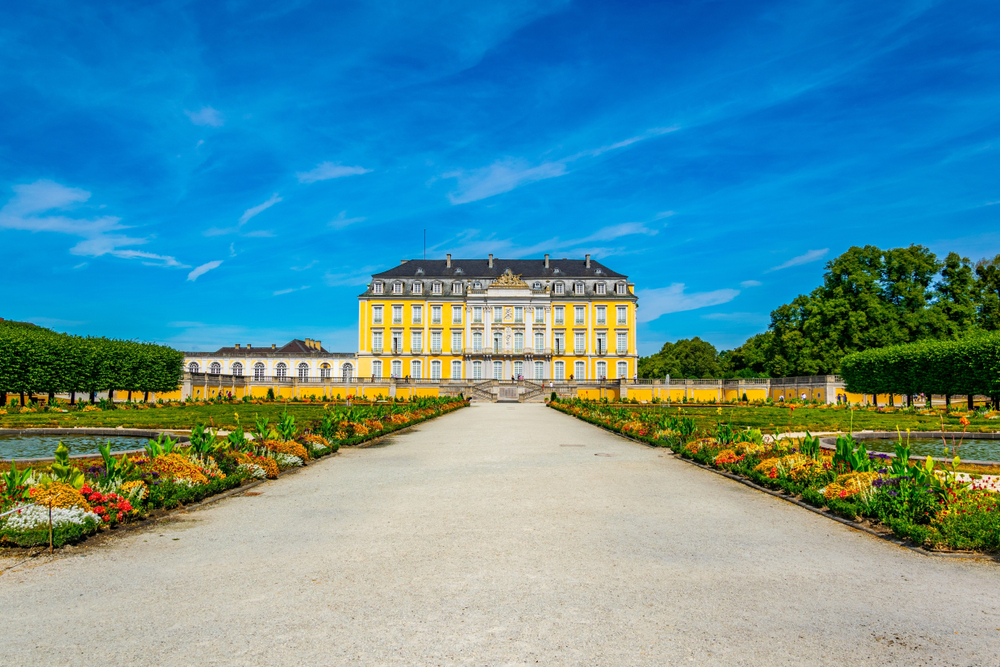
[
  {"x": 403, "y": 261},
  {"x": 273, "y": 346},
  {"x": 249, "y": 346},
  {"x": 588, "y": 260},
  {"x": 448, "y": 260},
  {"x": 318, "y": 344},
  {"x": 237, "y": 346},
  {"x": 491, "y": 260},
  {"x": 546, "y": 260}
]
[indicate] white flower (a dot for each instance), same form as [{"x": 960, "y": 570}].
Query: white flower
[
  {"x": 37, "y": 516},
  {"x": 287, "y": 460},
  {"x": 252, "y": 470}
]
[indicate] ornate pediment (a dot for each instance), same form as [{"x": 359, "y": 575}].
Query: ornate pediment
[{"x": 509, "y": 280}]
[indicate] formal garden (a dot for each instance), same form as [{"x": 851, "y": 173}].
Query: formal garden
[{"x": 67, "y": 499}]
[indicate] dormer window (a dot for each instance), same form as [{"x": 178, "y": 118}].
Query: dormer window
[
  {"x": 478, "y": 285},
  {"x": 397, "y": 288},
  {"x": 537, "y": 285},
  {"x": 420, "y": 271},
  {"x": 560, "y": 288},
  {"x": 620, "y": 288},
  {"x": 601, "y": 288},
  {"x": 418, "y": 288},
  {"x": 376, "y": 288},
  {"x": 459, "y": 271},
  {"x": 578, "y": 288},
  {"x": 456, "y": 288},
  {"x": 599, "y": 272},
  {"x": 436, "y": 288}
]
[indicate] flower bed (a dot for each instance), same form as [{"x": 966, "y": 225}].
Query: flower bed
[
  {"x": 84, "y": 497},
  {"x": 933, "y": 506}
]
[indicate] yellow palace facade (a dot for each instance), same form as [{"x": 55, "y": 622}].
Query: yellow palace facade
[{"x": 484, "y": 319}]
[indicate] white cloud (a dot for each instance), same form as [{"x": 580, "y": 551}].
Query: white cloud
[
  {"x": 508, "y": 173},
  {"x": 206, "y": 116},
  {"x": 664, "y": 214},
  {"x": 662, "y": 300},
  {"x": 25, "y": 211},
  {"x": 81, "y": 265},
  {"x": 306, "y": 266},
  {"x": 342, "y": 221},
  {"x": 203, "y": 269},
  {"x": 232, "y": 250},
  {"x": 258, "y": 209},
  {"x": 617, "y": 231},
  {"x": 327, "y": 170},
  {"x": 751, "y": 283},
  {"x": 811, "y": 256},
  {"x": 289, "y": 291},
  {"x": 261, "y": 234}
]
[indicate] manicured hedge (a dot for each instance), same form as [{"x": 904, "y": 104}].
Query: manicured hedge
[
  {"x": 38, "y": 360},
  {"x": 968, "y": 366}
]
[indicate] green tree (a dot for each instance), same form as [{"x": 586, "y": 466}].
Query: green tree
[
  {"x": 953, "y": 311},
  {"x": 988, "y": 293},
  {"x": 687, "y": 358}
]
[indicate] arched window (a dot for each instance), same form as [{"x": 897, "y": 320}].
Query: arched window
[
  {"x": 580, "y": 371},
  {"x": 376, "y": 369},
  {"x": 258, "y": 372},
  {"x": 237, "y": 369},
  {"x": 456, "y": 370},
  {"x": 347, "y": 372},
  {"x": 602, "y": 370},
  {"x": 477, "y": 370},
  {"x": 193, "y": 367},
  {"x": 281, "y": 370},
  {"x": 435, "y": 370},
  {"x": 518, "y": 369},
  {"x": 416, "y": 369},
  {"x": 215, "y": 368},
  {"x": 622, "y": 370},
  {"x": 518, "y": 342},
  {"x": 303, "y": 371},
  {"x": 397, "y": 368},
  {"x": 560, "y": 371},
  {"x": 324, "y": 370}
]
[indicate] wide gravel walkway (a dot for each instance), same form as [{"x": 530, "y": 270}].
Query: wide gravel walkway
[{"x": 500, "y": 535}]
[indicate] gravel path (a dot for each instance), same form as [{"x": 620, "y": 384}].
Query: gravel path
[{"x": 500, "y": 535}]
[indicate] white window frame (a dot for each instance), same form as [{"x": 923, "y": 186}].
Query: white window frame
[
  {"x": 259, "y": 371},
  {"x": 281, "y": 370},
  {"x": 559, "y": 341},
  {"x": 519, "y": 314},
  {"x": 396, "y": 368},
  {"x": 559, "y": 318},
  {"x": 477, "y": 314},
  {"x": 559, "y": 288},
  {"x": 477, "y": 370},
  {"x": 559, "y": 370},
  {"x": 418, "y": 287},
  {"x": 579, "y": 342},
  {"x": 215, "y": 368},
  {"x": 497, "y": 370},
  {"x": 377, "y": 368},
  {"x": 237, "y": 369},
  {"x": 601, "y": 342},
  {"x": 377, "y": 341},
  {"x": 417, "y": 341},
  {"x": 539, "y": 316},
  {"x": 477, "y": 341},
  {"x": 397, "y": 314},
  {"x": 325, "y": 370},
  {"x": 456, "y": 337},
  {"x": 416, "y": 314},
  {"x": 621, "y": 342},
  {"x": 299, "y": 371},
  {"x": 456, "y": 369},
  {"x": 436, "y": 343},
  {"x": 622, "y": 370},
  {"x": 436, "y": 288},
  {"x": 621, "y": 315},
  {"x": 601, "y": 288},
  {"x": 620, "y": 288},
  {"x": 580, "y": 370},
  {"x": 578, "y": 288},
  {"x": 579, "y": 315},
  {"x": 602, "y": 370},
  {"x": 456, "y": 314},
  {"x": 435, "y": 370},
  {"x": 193, "y": 367},
  {"x": 539, "y": 370},
  {"x": 376, "y": 314},
  {"x": 602, "y": 315},
  {"x": 456, "y": 288},
  {"x": 436, "y": 314},
  {"x": 518, "y": 369},
  {"x": 539, "y": 342},
  {"x": 377, "y": 287},
  {"x": 397, "y": 287}
]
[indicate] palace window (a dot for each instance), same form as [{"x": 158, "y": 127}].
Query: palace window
[
  {"x": 347, "y": 372},
  {"x": 193, "y": 367},
  {"x": 435, "y": 370},
  {"x": 417, "y": 341},
  {"x": 621, "y": 344},
  {"x": 303, "y": 371},
  {"x": 578, "y": 315},
  {"x": 397, "y": 368},
  {"x": 536, "y": 285},
  {"x": 397, "y": 314},
  {"x": 281, "y": 370},
  {"x": 579, "y": 344},
  {"x": 237, "y": 369},
  {"x": 602, "y": 343},
  {"x": 518, "y": 342},
  {"x": 477, "y": 341},
  {"x": 497, "y": 341},
  {"x": 600, "y": 288},
  {"x": 602, "y": 315},
  {"x": 560, "y": 343},
  {"x": 456, "y": 288},
  {"x": 579, "y": 371},
  {"x": 418, "y": 288},
  {"x": 518, "y": 369},
  {"x": 377, "y": 342},
  {"x": 578, "y": 288},
  {"x": 456, "y": 342},
  {"x": 456, "y": 314},
  {"x": 376, "y": 369},
  {"x": 620, "y": 288},
  {"x": 377, "y": 288},
  {"x": 602, "y": 370},
  {"x": 519, "y": 314},
  {"x": 456, "y": 370},
  {"x": 539, "y": 315},
  {"x": 478, "y": 285},
  {"x": 559, "y": 372},
  {"x": 622, "y": 314},
  {"x": 477, "y": 370},
  {"x": 497, "y": 370},
  {"x": 435, "y": 342},
  {"x": 397, "y": 342},
  {"x": 560, "y": 288},
  {"x": 539, "y": 370},
  {"x": 622, "y": 370},
  {"x": 418, "y": 314},
  {"x": 539, "y": 342},
  {"x": 416, "y": 369},
  {"x": 435, "y": 314},
  {"x": 560, "y": 315},
  {"x": 497, "y": 314},
  {"x": 477, "y": 314},
  {"x": 324, "y": 370},
  {"x": 397, "y": 288},
  {"x": 376, "y": 314},
  {"x": 436, "y": 288},
  {"x": 215, "y": 368}
]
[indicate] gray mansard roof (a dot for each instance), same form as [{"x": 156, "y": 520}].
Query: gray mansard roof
[{"x": 479, "y": 268}]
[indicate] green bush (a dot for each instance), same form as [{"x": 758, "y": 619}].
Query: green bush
[{"x": 66, "y": 534}]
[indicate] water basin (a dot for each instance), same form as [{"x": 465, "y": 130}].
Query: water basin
[
  {"x": 972, "y": 449},
  {"x": 29, "y": 446}
]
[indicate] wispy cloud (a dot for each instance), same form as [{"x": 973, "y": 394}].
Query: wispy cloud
[
  {"x": 258, "y": 209},
  {"x": 327, "y": 170},
  {"x": 664, "y": 214},
  {"x": 305, "y": 267},
  {"x": 206, "y": 116},
  {"x": 34, "y": 208},
  {"x": 342, "y": 220},
  {"x": 290, "y": 290},
  {"x": 508, "y": 173},
  {"x": 653, "y": 303},
  {"x": 751, "y": 283},
  {"x": 811, "y": 256},
  {"x": 203, "y": 269}
]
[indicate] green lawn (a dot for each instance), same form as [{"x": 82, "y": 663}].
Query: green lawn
[{"x": 771, "y": 419}]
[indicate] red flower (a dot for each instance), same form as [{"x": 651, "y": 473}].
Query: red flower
[
  {"x": 99, "y": 509},
  {"x": 119, "y": 517}
]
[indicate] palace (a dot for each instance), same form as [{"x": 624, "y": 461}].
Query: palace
[{"x": 478, "y": 319}]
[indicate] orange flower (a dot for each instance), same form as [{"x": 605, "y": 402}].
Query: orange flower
[{"x": 963, "y": 421}]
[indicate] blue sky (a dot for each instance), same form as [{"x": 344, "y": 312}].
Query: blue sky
[{"x": 202, "y": 174}]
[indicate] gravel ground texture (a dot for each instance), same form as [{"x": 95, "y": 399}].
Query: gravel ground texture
[{"x": 499, "y": 535}]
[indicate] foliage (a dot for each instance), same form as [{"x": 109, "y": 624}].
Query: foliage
[
  {"x": 163, "y": 445},
  {"x": 64, "y": 471},
  {"x": 286, "y": 426},
  {"x": 687, "y": 358}
]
